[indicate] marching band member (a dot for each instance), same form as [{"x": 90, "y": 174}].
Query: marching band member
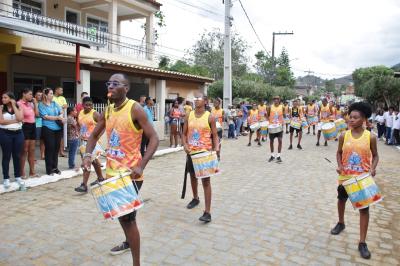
[
  {"x": 219, "y": 115},
  {"x": 311, "y": 113},
  {"x": 324, "y": 114},
  {"x": 262, "y": 113},
  {"x": 275, "y": 114},
  {"x": 254, "y": 117},
  {"x": 296, "y": 114}
]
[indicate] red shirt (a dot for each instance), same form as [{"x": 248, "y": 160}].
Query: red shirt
[{"x": 79, "y": 107}]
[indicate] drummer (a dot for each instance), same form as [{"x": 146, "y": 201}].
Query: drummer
[
  {"x": 262, "y": 112},
  {"x": 124, "y": 122},
  {"x": 253, "y": 118},
  {"x": 324, "y": 114},
  {"x": 275, "y": 115},
  {"x": 357, "y": 154},
  {"x": 199, "y": 135},
  {"x": 219, "y": 115},
  {"x": 333, "y": 111},
  {"x": 311, "y": 112},
  {"x": 87, "y": 120},
  {"x": 286, "y": 113},
  {"x": 296, "y": 115}
]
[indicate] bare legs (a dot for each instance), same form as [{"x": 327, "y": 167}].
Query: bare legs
[
  {"x": 207, "y": 191},
  {"x": 28, "y": 151},
  {"x": 364, "y": 219},
  {"x": 133, "y": 238}
]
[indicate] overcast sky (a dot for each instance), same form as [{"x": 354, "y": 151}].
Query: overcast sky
[{"x": 331, "y": 37}]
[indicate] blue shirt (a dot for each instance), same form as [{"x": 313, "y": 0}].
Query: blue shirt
[
  {"x": 149, "y": 114},
  {"x": 245, "y": 111},
  {"x": 51, "y": 110}
]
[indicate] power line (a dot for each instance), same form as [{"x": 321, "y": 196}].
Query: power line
[
  {"x": 215, "y": 18},
  {"x": 254, "y": 30},
  {"x": 200, "y": 8}
]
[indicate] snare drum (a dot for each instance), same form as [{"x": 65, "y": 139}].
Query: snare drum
[
  {"x": 312, "y": 120},
  {"x": 96, "y": 152},
  {"x": 340, "y": 125},
  {"x": 264, "y": 128},
  {"x": 329, "y": 130},
  {"x": 255, "y": 126},
  {"x": 362, "y": 191},
  {"x": 295, "y": 124},
  {"x": 116, "y": 196},
  {"x": 275, "y": 128},
  {"x": 304, "y": 123},
  {"x": 205, "y": 164},
  {"x": 286, "y": 120}
]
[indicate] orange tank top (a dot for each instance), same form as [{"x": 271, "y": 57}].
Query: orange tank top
[
  {"x": 325, "y": 114},
  {"x": 311, "y": 110},
  {"x": 276, "y": 114},
  {"x": 254, "y": 116},
  {"x": 87, "y": 123},
  {"x": 217, "y": 114},
  {"x": 123, "y": 140},
  {"x": 262, "y": 110},
  {"x": 199, "y": 133},
  {"x": 356, "y": 155}
]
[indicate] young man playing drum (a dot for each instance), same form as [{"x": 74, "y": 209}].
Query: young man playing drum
[
  {"x": 124, "y": 122},
  {"x": 286, "y": 115},
  {"x": 311, "y": 113},
  {"x": 324, "y": 115},
  {"x": 275, "y": 115},
  {"x": 199, "y": 135},
  {"x": 87, "y": 120},
  {"x": 262, "y": 113},
  {"x": 252, "y": 119},
  {"x": 357, "y": 154},
  {"x": 296, "y": 114},
  {"x": 219, "y": 115}
]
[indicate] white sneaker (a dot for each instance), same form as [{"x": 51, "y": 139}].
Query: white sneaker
[
  {"x": 20, "y": 182},
  {"x": 6, "y": 183}
]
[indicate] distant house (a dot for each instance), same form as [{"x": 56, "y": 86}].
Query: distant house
[{"x": 304, "y": 90}]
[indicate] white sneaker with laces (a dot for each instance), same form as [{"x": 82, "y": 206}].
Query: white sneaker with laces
[
  {"x": 20, "y": 182},
  {"x": 6, "y": 183}
]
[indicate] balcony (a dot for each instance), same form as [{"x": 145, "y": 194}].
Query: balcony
[{"x": 38, "y": 27}]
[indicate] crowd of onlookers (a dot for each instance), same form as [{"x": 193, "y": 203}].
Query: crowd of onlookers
[
  {"x": 388, "y": 125},
  {"x": 39, "y": 118}
]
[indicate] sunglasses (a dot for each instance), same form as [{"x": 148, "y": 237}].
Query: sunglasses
[{"x": 114, "y": 84}]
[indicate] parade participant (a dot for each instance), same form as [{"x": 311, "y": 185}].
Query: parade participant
[
  {"x": 218, "y": 113},
  {"x": 339, "y": 111},
  {"x": 311, "y": 113},
  {"x": 62, "y": 102},
  {"x": 79, "y": 106},
  {"x": 199, "y": 135},
  {"x": 29, "y": 107},
  {"x": 38, "y": 124},
  {"x": 286, "y": 115},
  {"x": 124, "y": 122},
  {"x": 11, "y": 137},
  {"x": 87, "y": 120},
  {"x": 254, "y": 117},
  {"x": 275, "y": 114},
  {"x": 324, "y": 114},
  {"x": 333, "y": 111},
  {"x": 262, "y": 113},
  {"x": 357, "y": 154},
  {"x": 175, "y": 116},
  {"x": 296, "y": 114}
]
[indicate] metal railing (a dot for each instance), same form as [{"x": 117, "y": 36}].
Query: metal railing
[{"x": 101, "y": 41}]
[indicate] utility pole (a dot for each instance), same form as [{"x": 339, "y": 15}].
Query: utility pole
[
  {"x": 227, "y": 56},
  {"x": 273, "y": 49}
]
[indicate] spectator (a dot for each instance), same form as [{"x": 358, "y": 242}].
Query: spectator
[
  {"x": 52, "y": 123},
  {"x": 380, "y": 124},
  {"x": 72, "y": 136},
  {"x": 231, "y": 115},
  {"x": 149, "y": 112},
  {"x": 79, "y": 106},
  {"x": 142, "y": 100},
  {"x": 245, "y": 112},
  {"x": 11, "y": 137},
  {"x": 389, "y": 124},
  {"x": 239, "y": 120},
  {"x": 38, "y": 123},
  {"x": 188, "y": 107},
  {"x": 29, "y": 107},
  {"x": 396, "y": 127},
  {"x": 62, "y": 102}
]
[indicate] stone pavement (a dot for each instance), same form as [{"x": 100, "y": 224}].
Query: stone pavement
[{"x": 263, "y": 214}]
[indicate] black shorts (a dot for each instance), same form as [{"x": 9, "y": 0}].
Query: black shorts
[
  {"x": 219, "y": 133},
  {"x": 292, "y": 129},
  {"x": 29, "y": 130},
  {"x": 131, "y": 217},
  {"x": 341, "y": 193},
  {"x": 275, "y": 135}
]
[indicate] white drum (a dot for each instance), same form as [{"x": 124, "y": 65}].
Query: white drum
[
  {"x": 255, "y": 126},
  {"x": 218, "y": 125},
  {"x": 275, "y": 128}
]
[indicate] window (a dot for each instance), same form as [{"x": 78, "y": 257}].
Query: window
[
  {"x": 72, "y": 17},
  {"x": 31, "y": 6},
  {"x": 97, "y": 24},
  {"x": 31, "y": 82}
]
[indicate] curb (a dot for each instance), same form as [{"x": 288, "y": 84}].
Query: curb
[{"x": 67, "y": 174}]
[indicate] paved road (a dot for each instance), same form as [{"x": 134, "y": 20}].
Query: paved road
[{"x": 263, "y": 214}]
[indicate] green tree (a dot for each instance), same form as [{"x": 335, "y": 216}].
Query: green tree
[
  {"x": 184, "y": 67},
  {"x": 377, "y": 84},
  {"x": 209, "y": 52},
  {"x": 164, "y": 62}
]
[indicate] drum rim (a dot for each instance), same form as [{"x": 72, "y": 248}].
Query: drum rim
[
  {"x": 124, "y": 174},
  {"x": 203, "y": 154}
]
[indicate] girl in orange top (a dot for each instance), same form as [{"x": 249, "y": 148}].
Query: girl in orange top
[
  {"x": 175, "y": 115},
  {"x": 357, "y": 154}
]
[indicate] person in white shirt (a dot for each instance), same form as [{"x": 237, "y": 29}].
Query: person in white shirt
[
  {"x": 388, "y": 115},
  {"x": 396, "y": 128},
  {"x": 380, "y": 124}
]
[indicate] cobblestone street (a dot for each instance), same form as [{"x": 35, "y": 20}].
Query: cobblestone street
[{"x": 263, "y": 214}]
